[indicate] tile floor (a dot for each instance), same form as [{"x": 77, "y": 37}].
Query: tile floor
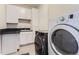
[{"x": 25, "y": 49}]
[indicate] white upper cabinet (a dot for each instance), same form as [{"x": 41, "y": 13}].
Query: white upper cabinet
[
  {"x": 25, "y": 13},
  {"x": 2, "y": 16},
  {"x": 12, "y": 13}
]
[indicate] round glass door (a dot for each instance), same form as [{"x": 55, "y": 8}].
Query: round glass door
[{"x": 64, "y": 41}]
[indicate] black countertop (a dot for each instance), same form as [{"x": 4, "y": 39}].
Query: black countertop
[
  {"x": 42, "y": 31},
  {"x": 12, "y": 30}
]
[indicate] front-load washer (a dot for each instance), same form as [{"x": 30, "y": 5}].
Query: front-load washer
[
  {"x": 63, "y": 35},
  {"x": 41, "y": 43}
]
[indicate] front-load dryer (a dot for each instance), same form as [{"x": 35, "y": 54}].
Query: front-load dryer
[{"x": 63, "y": 35}]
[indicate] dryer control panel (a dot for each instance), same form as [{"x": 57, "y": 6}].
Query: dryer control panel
[
  {"x": 62, "y": 18},
  {"x": 71, "y": 16}
]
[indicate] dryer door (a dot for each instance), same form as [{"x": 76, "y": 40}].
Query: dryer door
[{"x": 64, "y": 40}]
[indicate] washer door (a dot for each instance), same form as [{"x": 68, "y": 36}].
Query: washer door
[{"x": 64, "y": 40}]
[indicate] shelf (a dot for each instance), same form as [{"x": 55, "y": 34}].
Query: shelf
[{"x": 20, "y": 20}]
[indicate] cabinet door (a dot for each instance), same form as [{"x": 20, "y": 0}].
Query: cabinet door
[
  {"x": 2, "y": 16},
  {"x": 26, "y": 38},
  {"x": 0, "y": 43},
  {"x": 10, "y": 43},
  {"x": 24, "y": 13},
  {"x": 12, "y": 14}
]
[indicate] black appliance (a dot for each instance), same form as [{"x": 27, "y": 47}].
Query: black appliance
[{"x": 41, "y": 43}]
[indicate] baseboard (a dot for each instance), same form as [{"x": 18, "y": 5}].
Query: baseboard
[{"x": 26, "y": 44}]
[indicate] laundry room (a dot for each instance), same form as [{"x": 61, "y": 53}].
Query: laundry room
[{"x": 39, "y": 29}]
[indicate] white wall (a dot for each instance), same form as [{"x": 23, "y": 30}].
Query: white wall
[
  {"x": 43, "y": 17},
  {"x": 35, "y": 20},
  {"x": 60, "y": 9}
]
